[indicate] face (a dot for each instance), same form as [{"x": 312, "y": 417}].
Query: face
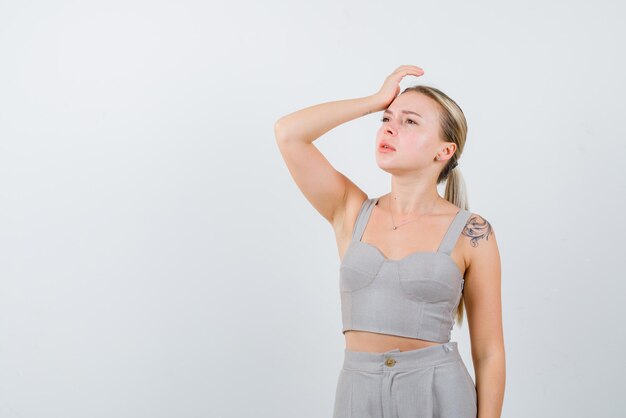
[{"x": 411, "y": 126}]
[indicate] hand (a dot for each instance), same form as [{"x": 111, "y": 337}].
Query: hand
[{"x": 391, "y": 87}]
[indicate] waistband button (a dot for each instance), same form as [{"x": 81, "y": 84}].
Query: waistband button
[{"x": 390, "y": 361}]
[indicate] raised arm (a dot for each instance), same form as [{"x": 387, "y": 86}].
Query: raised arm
[
  {"x": 325, "y": 188},
  {"x": 322, "y": 185}
]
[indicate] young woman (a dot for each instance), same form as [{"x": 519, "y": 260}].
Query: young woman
[{"x": 410, "y": 259}]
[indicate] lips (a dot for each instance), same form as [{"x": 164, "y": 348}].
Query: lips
[{"x": 386, "y": 145}]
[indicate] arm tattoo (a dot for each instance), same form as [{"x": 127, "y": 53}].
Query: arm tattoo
[{"x": 477, "y": 227}]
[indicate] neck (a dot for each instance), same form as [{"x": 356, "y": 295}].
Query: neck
[{"x": 412, "y": 199}]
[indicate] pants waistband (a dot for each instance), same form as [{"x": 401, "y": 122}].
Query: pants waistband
[{"x": 401, "y": 360}]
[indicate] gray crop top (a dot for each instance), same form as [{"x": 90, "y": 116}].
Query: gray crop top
[{"x": 415, "y": 296}]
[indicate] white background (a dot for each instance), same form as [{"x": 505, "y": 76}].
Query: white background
[{"x": 157, "y": 259}]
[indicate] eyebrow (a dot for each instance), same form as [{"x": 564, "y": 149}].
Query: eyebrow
[{"x": 405, "y": 112}]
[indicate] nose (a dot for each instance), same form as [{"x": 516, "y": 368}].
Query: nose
[{"x": 390, "y": 130}]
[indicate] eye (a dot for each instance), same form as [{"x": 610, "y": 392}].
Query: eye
[{"x": 385, "y": 119}]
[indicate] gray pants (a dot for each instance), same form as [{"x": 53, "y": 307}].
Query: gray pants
[{"x": 423, "y": 383}]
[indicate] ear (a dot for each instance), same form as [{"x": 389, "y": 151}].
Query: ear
[{"x": 447, "y": 152}]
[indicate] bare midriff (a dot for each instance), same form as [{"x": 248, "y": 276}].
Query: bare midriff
[{"x": 379, "y": 343}]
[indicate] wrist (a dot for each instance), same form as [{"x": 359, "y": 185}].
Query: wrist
[{"x": 375, "y": 103}]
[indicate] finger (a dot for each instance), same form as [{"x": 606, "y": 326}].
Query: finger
[
  {"x": 412, "y": 66},
  {"x": 403, "y": 74},
  {"x": 414, "y": 69},
  {"x": 409, "y": 67},
  {"x": 416, "y": 73},
  {"x": 409, "y": 70}
]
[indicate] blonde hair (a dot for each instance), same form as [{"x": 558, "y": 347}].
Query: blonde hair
[{"x": 453, "y": 129}]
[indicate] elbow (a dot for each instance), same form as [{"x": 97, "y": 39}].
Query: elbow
[
  {"x": 494, "y": 354},
  {"x": 279, "y": 130}
]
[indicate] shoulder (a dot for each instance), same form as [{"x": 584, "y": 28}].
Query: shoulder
[
  {"x": 478, "y": 229},
  {"x": 480, "y": 239},
  {"x": 354, "y": 203}
]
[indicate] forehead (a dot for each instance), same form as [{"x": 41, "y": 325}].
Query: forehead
[{"x": 414, "y": 102}]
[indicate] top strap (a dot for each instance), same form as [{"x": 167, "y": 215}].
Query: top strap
[
  {"x": 362, "y": 218},
  {"x": 454, "y": 231}
]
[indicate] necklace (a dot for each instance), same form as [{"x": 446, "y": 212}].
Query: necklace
[{"x": 394, "y": 226}]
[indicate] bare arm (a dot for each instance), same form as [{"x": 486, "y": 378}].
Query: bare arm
[
  {"x": 484, "y": 314},
  {"x": 327, "y": 189},
  {"x": 310, "y": 123}
]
